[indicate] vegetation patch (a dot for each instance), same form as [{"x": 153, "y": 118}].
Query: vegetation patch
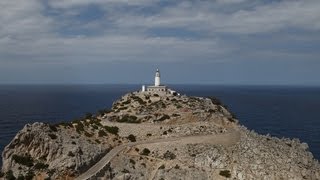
[
  {"x": 23, "y": 160},
  {"x": 129, "y": 119},
  {"x": 102, "y": 133},
  {"x": 10, "y": 176},
  {"x": 169, "y": 155},
  {"x": 132, "y": 161},
  {"x": 52, "y": 136},
  {"x": 112, "y": 129},
  {"x": 53, "y": 128},
  {"x": 132, "y": 138},
  {"x": 88, "y": 134},
  {"x": 164, "y": 117},
  {"x": 41, "y": 165},
  {"x": 71, "y": 154},
  {"x": 145, "y": 152},
  {"x": 225, "y": 173}
]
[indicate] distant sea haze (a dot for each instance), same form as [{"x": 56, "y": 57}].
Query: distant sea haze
[{"x": 282, "y": 111}]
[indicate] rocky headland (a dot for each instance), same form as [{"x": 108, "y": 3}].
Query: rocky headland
[{"x": 155, "y": 136}]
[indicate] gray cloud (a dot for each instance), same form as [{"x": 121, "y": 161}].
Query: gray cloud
[{"x": 29, "y": 34}]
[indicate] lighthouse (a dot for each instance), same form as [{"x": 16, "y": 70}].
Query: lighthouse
[
  {"x": 158, "y": 88},
  {"x": 157, "y": 78}
]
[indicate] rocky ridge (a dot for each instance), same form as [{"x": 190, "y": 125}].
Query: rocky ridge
[{"x": 211, "y": 145}]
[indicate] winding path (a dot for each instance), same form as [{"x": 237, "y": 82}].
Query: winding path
[{"x": 225, "y": 139}]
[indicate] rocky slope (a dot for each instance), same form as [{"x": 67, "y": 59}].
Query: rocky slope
[{"x": 180, "y": 137}]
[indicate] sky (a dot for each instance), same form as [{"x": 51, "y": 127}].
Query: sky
[{"x": 241, "y": 42}]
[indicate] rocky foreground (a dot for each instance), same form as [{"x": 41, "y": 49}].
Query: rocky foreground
[{"x": 155, "y": 136}]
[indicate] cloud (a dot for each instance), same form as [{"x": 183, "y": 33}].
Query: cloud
[{"x": 59, "y": 31}]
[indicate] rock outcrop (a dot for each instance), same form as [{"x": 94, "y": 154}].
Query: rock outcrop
[{"x": 176, "y": 137}]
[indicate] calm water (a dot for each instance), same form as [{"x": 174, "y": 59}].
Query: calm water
[{"x": 280, "y": 111}]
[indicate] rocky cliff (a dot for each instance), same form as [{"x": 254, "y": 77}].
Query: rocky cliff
[{"x": 158, "y": 136}]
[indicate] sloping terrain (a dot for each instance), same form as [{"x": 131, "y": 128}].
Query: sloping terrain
[{"x": 156, "y": 136}]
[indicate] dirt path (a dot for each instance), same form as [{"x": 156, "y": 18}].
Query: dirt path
[{"x": 225, "y": 139}]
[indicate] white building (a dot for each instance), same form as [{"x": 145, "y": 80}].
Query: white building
[{"x": 157, "y": 87}]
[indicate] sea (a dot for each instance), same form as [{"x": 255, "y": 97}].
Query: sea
[{"x": 281, "y": 111}]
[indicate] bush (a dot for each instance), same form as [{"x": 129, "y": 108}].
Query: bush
[
  {"x": 40, "y": 166},
  {"x": 145, "y": 152},
  {"x": 53, "y": 128},
  {"x": 52, "y": 136},
  {"x": 132, "y": 161},
  {"x": 162, "y": 167},
  {"x": 102, "y": 133},
  {"x": 79, "y": 127},
  {"x": 29, "y": 175},
  {"x": 87, "y": 134},
  {"x": 225, "y": 173},
  {"x": 1, "y": 174},
  {"x": 20, "y": 177},
  {"x": 132, "y": 138},
  {"x": 112, "y": 129},
  {"x": 169, "y": 155},
  {"x": 71, "y": 154},
  {"x": 164, "y": 117},
  {"x": 23, "y": 160},
  {"x": 129, "y": 119},
  {"x": 10, "y": 176}
]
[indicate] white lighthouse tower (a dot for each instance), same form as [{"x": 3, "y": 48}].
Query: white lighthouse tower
[{"x": 157, "y": 78}]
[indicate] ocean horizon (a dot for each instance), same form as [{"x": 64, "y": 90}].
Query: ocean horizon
[{"x": 288, "y": 111}]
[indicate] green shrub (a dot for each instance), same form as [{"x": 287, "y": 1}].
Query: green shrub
[
  {"x": 53, "y": 128},
  {"x": 169, "y": 155},
  {"x": 129, "y": 119},
  {"x": 145, "y": 152},
  {"x": 132, "y": 161},
  {"x": 1, "y": 174},
  {"x": 112, "y": 129},
  {"x": 225, "y": 173},
  {"x": 10, "y": 176},
  {"x": 79, "y": 127},
  {"x": 71, "y": 154},
  {"x": 164, "y": 117},
  {"x": 20, "y": 177},
  {"x": 52, "y": 136},
  {"x": 97, "y": 141},
  {"x": 102, "y": 133},
  {"x": 23, "y": 160},
  {"x": 29, "y": 175},
  {"x": 132, "y": 138},
  {"x": 40, "y": 166},
  {"x": 88, "y": 134}
]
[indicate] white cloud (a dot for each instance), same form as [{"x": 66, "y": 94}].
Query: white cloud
[{"x": 27, "y": 32}]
